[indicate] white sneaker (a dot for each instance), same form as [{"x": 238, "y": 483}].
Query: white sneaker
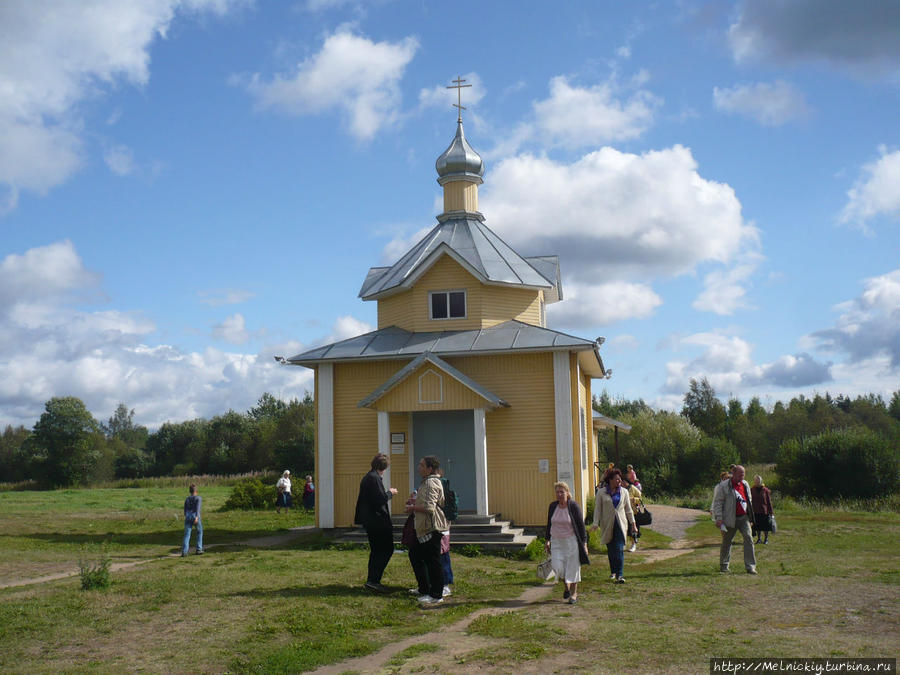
[
  {"x": 633, "y": 548},
  {"x": 428, "y": 600},
  {"x": 612, "y": 577},
  {"x": 413, "y": 591},
  {"x": 447, "y": 591}
]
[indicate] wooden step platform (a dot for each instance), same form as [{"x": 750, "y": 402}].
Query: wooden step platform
[{"x": 489, "y": 532}]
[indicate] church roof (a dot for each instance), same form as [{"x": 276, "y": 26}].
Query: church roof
[
  {"x": 509, "y": 336},
  {"x": 472, "y": 244},
  {"x": 459, "y": 160}
]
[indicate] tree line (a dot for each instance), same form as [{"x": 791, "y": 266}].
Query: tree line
[
  {"x": 823, "y": 446},
  {"x": 67, "y": 446}
]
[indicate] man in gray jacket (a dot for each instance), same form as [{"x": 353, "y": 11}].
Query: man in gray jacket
[{"x": 733, "y": 512}]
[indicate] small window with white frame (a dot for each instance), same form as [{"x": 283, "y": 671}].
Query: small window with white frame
[{"x": 447, "y": 304}]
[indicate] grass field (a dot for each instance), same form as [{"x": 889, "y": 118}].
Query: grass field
[{"x": 828, "y": 586}]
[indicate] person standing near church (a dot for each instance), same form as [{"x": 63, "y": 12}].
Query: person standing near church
[
  {"x": 373, "y": 514},
  {"x": 733, "y": 512}
]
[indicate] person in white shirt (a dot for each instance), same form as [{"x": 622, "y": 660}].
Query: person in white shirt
[{"x": 284, "y": 498}]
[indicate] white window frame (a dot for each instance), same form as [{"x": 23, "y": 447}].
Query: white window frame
[{"x": 447, "y": 293}]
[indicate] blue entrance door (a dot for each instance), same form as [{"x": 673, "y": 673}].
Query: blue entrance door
[{"x": 451, "y": 436}]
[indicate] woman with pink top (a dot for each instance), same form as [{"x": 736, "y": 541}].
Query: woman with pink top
[{"x": 566, "y": 540}]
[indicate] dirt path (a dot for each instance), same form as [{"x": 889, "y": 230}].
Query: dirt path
[
  {"x": 258, "y": 542},
  {"x": 452, "y": 640}
]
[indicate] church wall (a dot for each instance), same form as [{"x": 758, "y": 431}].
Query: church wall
[
  {"x": 485, "y": 305},
  {"x": 520, "y": 436},
  {"x": 460, "y": 196},
  {"x": 356, "y": 431},
  {"x": 429, "y": 388},
  {"x": 397, "y": 310},
  {"x": 500, "y": 303}
]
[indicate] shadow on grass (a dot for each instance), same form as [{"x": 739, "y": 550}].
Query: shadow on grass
[{"x": 230, "y": 538}]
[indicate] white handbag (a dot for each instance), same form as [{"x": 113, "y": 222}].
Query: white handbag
[{"x": 545, "y": 570}]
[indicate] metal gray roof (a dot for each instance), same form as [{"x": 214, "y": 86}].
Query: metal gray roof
[
  {"x": 395, "y": 342},
  {"x": 471, "y": 243},
  {"x": 459, "y": 160},
  {"x": 604, "y": 422},
  {"x": 410, "y": 367}
]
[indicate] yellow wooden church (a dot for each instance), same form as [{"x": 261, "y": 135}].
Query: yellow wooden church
[{"x": 462, "y": 366}]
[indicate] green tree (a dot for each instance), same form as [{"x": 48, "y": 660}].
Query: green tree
[
  {"x": 703, "y": 409},
  {"x": 267, "y": 408},
  {"x": 839, "y": 463},
  {"x": 67, "y": 442},
  {"x": 14, "y": 465},
  {"x": 894, "y": 408},
  {"x": 658, "y": 442}
]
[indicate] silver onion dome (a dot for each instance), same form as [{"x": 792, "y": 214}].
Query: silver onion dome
[{"x": 459, "y": 160}]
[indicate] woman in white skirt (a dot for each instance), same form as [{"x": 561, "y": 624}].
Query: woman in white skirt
[{"x": 566, "y": 531}]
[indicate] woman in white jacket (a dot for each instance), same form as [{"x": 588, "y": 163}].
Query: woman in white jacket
[{"x": 613, "y": 514}]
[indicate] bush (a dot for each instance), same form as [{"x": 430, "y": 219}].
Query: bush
[
  {"x": 248, "y": 494},
  {"x": 845, "y": 463},
  {"x": 703, "y": 462},
  {"x": 658, "y": 442},
  {"x": 535, "y": 550},
  {"x": 94, "y": 575}
]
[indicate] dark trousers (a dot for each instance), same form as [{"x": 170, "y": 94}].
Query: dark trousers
[
  {"x": 615, "y": 550},
  {"x": 381, "y": 548},
  {"x": 425, "y": 559}
]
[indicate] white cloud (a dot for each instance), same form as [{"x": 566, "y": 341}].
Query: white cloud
[
  {"x": 50, "y": 347},
  {"x": 233, "y": 330},
  {"x": 615, "y": 212},
  {"x": 55, "y": 55},
  {"x": 602, "y": 304},
  {"x": 44, "y": 273},
  {"x": 770, "y": 104},
  {"x": 120, "y": 160},
  {"x": 876, "y": 191},
  {"x": 726, "y": 361},
  {"x": 348, "y": 326},
  {"x": 869, "y": 325},
  {"x": 578, "y": 117},
  {"x": 351, "y": 73},
  {"x": 618, "y": 217},
  {"x": 219, "y": 297},
  {"x": 442, "y": 96},
  {"x": 725, "y": 291},
  {"x": 859, "y": 38}
]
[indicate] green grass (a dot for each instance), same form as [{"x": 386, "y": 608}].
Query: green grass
[{"x": 828, "y": 586}]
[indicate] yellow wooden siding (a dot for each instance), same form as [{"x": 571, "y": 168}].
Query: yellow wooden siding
[
  {"x": 518, "y": 437},
  {"x": 399, "y": 423},
  {"x": 460, "y": 196},
  {"x": 397, "y": 310},
  {"x": 429, "y": 388},
  {"x": 485, "y": 305},
  {"x": 523, "y": 495},
  {"x": 502, "y": 303},
  {"x": 355, "y": 430}
]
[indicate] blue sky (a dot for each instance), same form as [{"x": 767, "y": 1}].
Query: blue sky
[{"x": 191, "y": 187}]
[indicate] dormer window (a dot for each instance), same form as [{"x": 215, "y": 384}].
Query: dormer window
[{"x": 447, "y": 304}]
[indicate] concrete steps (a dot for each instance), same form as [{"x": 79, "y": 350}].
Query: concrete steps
[{"x": 486, "y": 531}]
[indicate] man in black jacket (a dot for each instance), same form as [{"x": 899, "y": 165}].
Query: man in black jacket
[{"x": 372, "y": 513}]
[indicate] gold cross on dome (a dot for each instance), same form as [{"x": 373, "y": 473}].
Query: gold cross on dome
[{"x": 459, "y": 86}]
